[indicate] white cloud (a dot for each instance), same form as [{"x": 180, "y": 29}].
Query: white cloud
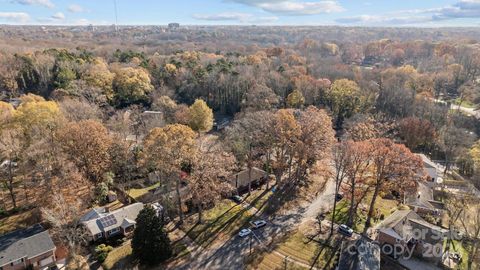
[
  {"x": 74, "y": 8},
  {"x": 45, "y": 3},
  {"x": 461, "y": 9},
  {"x": 58, "y": 16},
  {"x": 294, "y": 7},
  {"x": 224, "y": 16},
  {"x": 384, "y": 20},
  {"x": 17, "y": 17},
  {"x": 244, "y": 18}
]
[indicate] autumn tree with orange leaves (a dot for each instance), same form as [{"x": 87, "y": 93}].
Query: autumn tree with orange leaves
[{"x": 391, "y": 165}]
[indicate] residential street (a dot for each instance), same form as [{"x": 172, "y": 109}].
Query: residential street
[{"x": 231, "y": 254}]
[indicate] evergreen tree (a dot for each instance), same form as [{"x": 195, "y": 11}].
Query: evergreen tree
[{"x": 150, "y": 243}]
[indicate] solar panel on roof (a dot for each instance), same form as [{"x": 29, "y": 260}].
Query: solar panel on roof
[{"x": 108, "y": 221}]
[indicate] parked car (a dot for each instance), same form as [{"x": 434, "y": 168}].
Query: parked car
[
  {"x": 338, "y": 197},
  {"x": 258, "y": 223},
  {"x": 237, "y": 199},
  {"x": 244, "y": 232},
  {"x": 345, "y": 230}
]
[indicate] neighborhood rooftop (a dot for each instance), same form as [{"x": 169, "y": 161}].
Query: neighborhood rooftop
[{"x": 26, "y": 243}]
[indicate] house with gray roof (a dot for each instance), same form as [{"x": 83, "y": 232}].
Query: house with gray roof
[
  {"x": 359, "y": 254},
  {"x": 102, "y": 224},
  {"x": 243, "y": 179},
  {"x": 27, "y": 248},
  {"x": 406, "y": 230}
]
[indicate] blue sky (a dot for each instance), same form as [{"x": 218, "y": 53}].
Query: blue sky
[{"x": 429, "y": 13}]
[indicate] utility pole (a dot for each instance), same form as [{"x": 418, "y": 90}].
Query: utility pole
[
  {"x": 250, "y": 243},
  {"x": 116, "y": 15}
]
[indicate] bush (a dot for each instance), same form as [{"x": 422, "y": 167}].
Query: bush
[{"x": 102, "y": 251}]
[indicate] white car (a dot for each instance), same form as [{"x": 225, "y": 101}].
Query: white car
[
  {"x": 244, "y": 232},
  {"x": 258, "y": 223}
]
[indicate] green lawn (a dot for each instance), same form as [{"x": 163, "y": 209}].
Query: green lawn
[
  {"x": 137, "y": 193},
  {"x": 382, "y": 207},
  {"x": 223, "y": 220},
  {"x": 258, "y": 198},
  {"x": 120, "y": 257},
  {"x": 465, "y": 103},
  {"x": 457, "y": 246}
]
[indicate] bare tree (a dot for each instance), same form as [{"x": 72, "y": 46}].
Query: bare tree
[{"x": 63, "y": 216}]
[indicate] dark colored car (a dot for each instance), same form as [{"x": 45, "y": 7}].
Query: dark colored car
[
  {"x": 338, "y": 197},
  {"x": 237, "y": 199},
  {"x": 345, "y": 230}
]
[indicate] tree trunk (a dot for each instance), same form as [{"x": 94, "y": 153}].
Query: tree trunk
[
  {"x": 333, "y": 215},
  {"x": 10, "y": 184},
  {"x": 249, "y": 179},
  {"x": 372, "y": 206},
  {"x": 200, "y": 212},
  {"x": 179, "y": 199},
  {"x": 351, "y": 211}
]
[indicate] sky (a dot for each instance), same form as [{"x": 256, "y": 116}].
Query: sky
[{"x": 416, "y": 13}]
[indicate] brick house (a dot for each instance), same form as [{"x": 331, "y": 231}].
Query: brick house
[
  {"x": 406, "y": 229},
  {"x": 30, "y": 247}
]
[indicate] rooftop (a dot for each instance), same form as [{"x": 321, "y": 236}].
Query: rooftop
[{"x": 26, "y": 243}]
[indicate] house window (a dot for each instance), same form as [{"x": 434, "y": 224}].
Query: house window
[
  {"x": 98, "y": 235},
  {"x": 16, "y": 262},
  {"x": 114, "y": 231}
]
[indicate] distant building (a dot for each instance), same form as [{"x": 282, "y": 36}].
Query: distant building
[
  {"x": 27, "y": 248},
  {"x": 173, "y": 26},
  {"x": 103, "y": 224}
]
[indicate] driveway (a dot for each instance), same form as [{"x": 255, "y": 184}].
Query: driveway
[{"x": 323, "y": 202}]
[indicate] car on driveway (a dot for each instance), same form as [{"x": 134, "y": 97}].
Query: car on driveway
[
  {"x": 244, "y": 232},
  {"x": 237, "y": 199},
  {"x": 345, "y": 230},
  {"x": 338, "y": 197},
  {"x": 258, "y": 223}
]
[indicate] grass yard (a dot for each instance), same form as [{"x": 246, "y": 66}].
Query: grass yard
[
  {"x": 383, "y": 207},
  {"x": 17, "y": 221},
  {"x": 118, "y": 258},
  {"x": 258, "y": 198},
  {"x": 221, "y": 221},
  {"x": 275, "y": 261},
  {"x": 465, "y": 103},
  {"x": 137, "y": 193},
  {"x": 298, "y": 247}
]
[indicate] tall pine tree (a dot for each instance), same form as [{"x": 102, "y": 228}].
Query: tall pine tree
[{"x": 150, "y": 243}]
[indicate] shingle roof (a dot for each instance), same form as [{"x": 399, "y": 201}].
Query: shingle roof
[
  {"x": 359, "y": 254},
  {"x": 241, "y": 179},
  {"x": 25, "y": 243},
  {"x": 129, "y": 212}
]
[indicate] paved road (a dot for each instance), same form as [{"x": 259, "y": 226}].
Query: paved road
[
  {"x": 231, "y": 254},
  {"x": 323, "y": 202},
  {"x": 469, "y": 111}
]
